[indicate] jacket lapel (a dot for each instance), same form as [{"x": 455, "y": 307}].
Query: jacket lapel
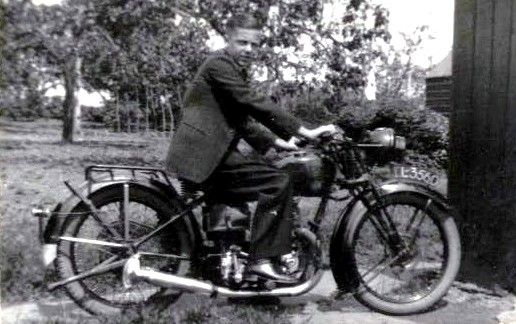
[{"x": 243, "y": 71}]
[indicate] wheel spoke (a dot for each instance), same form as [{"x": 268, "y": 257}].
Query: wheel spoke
[
  {"x": 140, "y": 225},
  {"x": 106, "y": 266},
  {"x": 414, "y": 216},
  {"x": 147, "y": 237},
  {"x": 100, "y": 249},
  {"x": 172, "y": 256},
  {"x": 382, "y": 266},
  {"x": 414, "y": 234},
  {"x": 382, "y": 235},
  {"x": 93, "y": 242},
  {"x": 366, "y": 273}
]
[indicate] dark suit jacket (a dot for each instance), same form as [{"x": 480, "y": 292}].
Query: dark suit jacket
[{"x": 218, "y": 107}]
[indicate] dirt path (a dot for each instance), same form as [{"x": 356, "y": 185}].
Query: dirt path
[{"x": 464, "y": 304}]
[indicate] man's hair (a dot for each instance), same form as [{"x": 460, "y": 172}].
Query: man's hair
[{"x": 243, "y": 20}]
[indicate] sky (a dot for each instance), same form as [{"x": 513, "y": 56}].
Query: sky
[{"x": 405, "y": 16}]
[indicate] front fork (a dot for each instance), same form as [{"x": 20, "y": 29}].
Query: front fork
[{"x": 383, "y": 223}]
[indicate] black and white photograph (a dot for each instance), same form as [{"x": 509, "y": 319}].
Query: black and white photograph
[{"x": 258, "y": 161}]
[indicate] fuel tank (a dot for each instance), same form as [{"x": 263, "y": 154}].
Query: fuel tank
[{"x": 310, "y": 173}]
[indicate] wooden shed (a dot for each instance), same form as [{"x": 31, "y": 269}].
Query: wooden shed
[
  {"x": 482, "y": 166},
  {"x": 439, "y": 85}
]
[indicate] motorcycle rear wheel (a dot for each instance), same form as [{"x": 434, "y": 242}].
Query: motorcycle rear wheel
[
  {"x": 409, "y": 282},
  {"x": 104, "y": 294}
]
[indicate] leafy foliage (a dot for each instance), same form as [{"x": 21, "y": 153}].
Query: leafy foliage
[
  {"x": 399, "y": 77},
  {"x": 156, "y": 52},
  {"x": 23, "y": 69},
  {"x": 314, "y": 60},
  {"x": 426, "y": 131},
  {"x": 51, "y": 42},
  {"x": 150, "y": 47}
]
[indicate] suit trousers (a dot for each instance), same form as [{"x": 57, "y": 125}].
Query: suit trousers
[{"x": 249, "y": 178}]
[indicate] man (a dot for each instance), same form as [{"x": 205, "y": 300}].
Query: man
[{"x": 218, "y": 107}]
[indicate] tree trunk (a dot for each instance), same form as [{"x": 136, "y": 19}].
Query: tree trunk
[
  {"x": 483, "y": 139},
  {"x": 172, "y": 118},
  {"x": 155, "y": 120},
  {"x": 146, "y": 109},
  {"x": 164, "y": 111},
  {"x": 137, "y": 110},
  {"x": 117, "y": 112},
  {"x": 127, "y": 108},
  {"x": 72, "y": 75},
  {"x": 177, "y": 109}
]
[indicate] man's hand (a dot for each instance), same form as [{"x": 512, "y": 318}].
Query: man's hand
[
  {"x": 316, "y": 132},
  {"x": 291, "y": 145}
]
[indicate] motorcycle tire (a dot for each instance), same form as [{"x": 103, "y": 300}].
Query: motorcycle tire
[
  {"x": 104, "y": 294},
  {"x": 392, "y": 284}
]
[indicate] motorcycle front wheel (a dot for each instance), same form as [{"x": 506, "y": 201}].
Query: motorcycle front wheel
[
  {"x": 104, "y": 293},
  {"x": 406, "y": 280}
]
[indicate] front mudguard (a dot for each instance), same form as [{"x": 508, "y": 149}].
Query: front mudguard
[
  {"x": 61, "y": 212},
  {"x": 345, "y": 280}
]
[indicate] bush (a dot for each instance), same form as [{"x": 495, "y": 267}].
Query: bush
[
  {"x": 34, "y": 106},
  {"x": 426, "y": 131},
  {"x": 52, "y": 108},
  {"x": 93, "y": 114}
]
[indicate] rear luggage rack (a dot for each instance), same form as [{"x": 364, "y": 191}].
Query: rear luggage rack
[{"x": 116, "y": 170}]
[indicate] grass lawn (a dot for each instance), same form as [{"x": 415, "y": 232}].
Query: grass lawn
[{"x": 33, "y": 166}]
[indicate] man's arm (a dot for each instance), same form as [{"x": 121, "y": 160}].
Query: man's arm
[
  {"x": 259, "y": 137},
  {"x": 223, "y": 72},
  {"x": 230, "y": 82}
]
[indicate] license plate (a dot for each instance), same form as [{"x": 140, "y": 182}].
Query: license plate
[{"x": 418, "y": 174}]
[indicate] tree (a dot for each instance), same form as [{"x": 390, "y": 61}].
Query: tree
[
  {"x": 343, "y": 48},
  {"x": 54, "y": 40},
  {"x": 26, "y": 75},
  {"x": 67, "y": 40},
  {"x": 155, "y": 53},
  {"x": 398, "y": 76},
  {"x": 142, "y": 51},
  {"x": 156, "y": 50}
]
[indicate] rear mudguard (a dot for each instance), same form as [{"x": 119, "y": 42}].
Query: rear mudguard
[
  {"x": 356, "y": 208},
  {"x": 61, "y": 212}
]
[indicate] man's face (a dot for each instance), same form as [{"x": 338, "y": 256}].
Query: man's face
[{"x": 243, "y": 44}]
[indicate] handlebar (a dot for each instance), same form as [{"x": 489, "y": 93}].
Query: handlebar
[
  {"x": 378, "y": 138},
  {"x": 324, "y": 138}
]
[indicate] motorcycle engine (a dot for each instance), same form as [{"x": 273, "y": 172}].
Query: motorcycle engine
[{"x": 309, "y": 172}]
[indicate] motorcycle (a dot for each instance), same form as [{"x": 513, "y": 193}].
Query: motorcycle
[{"x": 134, "y": 237}]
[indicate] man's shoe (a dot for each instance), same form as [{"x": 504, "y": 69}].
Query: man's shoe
[{"x": 265, "y": 269}]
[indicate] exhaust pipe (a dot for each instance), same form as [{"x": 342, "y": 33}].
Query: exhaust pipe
[{"x": 133, "y": 272}]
